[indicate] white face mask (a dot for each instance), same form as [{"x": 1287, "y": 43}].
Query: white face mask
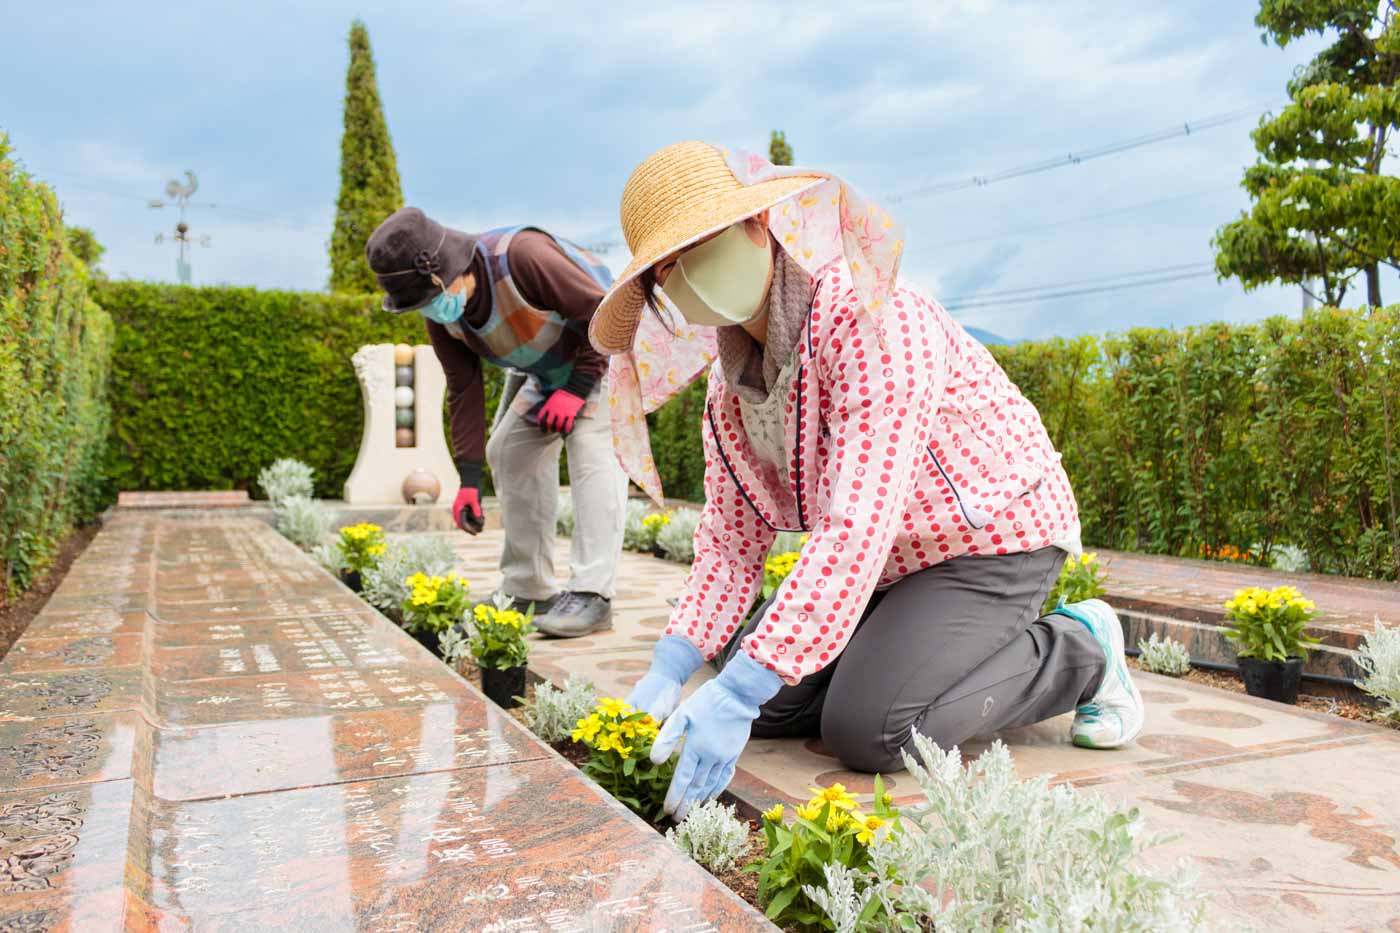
[{"x": 722, "y": 281}]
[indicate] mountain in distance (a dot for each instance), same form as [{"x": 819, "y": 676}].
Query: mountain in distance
[{"x": 989, "y": 339}]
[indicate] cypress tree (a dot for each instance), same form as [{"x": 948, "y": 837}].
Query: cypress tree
[{"x": 369, "y": 173}]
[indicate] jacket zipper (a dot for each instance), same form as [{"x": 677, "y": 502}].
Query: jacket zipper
[{"x": 962, "y": 507}]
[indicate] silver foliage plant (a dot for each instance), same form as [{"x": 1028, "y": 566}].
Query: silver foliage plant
[
  {"x": 286, "y": 478},
  {"x": 712, "y": 835},
  {"x": 302, "y": 521},
  {"x": 383, "y": 585},
  {"x": 564, "y": 514},
  {"x": 555, "y": 711},
  {"x": 634, "y": 536},
  {"x": 1164, "y": 656},
  {"x": 844, "y": 897},
  {"x": 453, "y": 645},
  {"x": 677, "y": 539},
  {"x": 329, "y": 556},
  {"x": 985, "y": 851},
  {"x": 1379, "y": 660}
]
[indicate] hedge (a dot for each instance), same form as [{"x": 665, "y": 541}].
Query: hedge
[
  {"x": 55, "y": 346},
  {"x": 210, "y": 385},
  {"x": 1285, "y": 432}
]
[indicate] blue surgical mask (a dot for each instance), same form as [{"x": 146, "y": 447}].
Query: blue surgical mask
[{"x": 445, "y": 308}]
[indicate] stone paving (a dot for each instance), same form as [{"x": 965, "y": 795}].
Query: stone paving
[
  {"x": 203, "y": 730},
  {"x": 1291, "y": 817}
]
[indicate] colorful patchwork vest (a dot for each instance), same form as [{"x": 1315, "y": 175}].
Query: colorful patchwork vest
[{"x": 519, "y": 336}]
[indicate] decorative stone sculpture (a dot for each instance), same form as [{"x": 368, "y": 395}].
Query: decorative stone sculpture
[
  {"x": 382, "y": 465},
  {"x": 420, "y": 487}
]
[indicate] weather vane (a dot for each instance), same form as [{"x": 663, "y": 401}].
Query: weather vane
[{"x": 179, "y": 195}]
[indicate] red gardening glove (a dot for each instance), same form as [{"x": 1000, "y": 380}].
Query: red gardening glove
[
  {"x": 559, "y": 411},
  {"x": 466, "y": 510}
]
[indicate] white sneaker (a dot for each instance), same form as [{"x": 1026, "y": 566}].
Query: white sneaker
[{"x": 1115, "y": 715}]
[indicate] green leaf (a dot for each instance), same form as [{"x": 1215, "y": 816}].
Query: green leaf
[{"x": 780, "y": 901}]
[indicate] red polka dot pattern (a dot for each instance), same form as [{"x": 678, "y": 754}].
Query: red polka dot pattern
[{"x": 907, "y": 446}]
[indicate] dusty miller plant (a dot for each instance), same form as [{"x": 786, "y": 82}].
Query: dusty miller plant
[
  {"x": 1164, "y": 656},
  {"x": 677, "y": 538},
  {"x": 1379, "y": 660},
  {"x": 712, "y": 836},
  {"x": 286, "y": 478},
  {"x": 384, "y": 584},
  {"x": 844, "y": 897},
  {"x": 328, "y": 555},
  {"x": 555, "y": 711},
  {"x": 985, "y": 851},
  {"x": 302, "y": 521},
  {"x": 635, "y": 536}
]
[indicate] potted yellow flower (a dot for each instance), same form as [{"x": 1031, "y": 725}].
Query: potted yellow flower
[
  {"x": 1269, "y": 628},
  {"x": 499, "y": 647},
  {"x": 651, "y": 527},
  {"x": 619, "y": 739},
  {"x": 360, "y": 546},
  {"x": 434, "y": 603}
]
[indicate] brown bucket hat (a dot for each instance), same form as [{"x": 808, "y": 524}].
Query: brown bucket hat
[{"x": 415, "y": 258}]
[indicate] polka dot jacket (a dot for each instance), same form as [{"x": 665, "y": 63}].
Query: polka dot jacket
[{"x": 906, "y": 445}]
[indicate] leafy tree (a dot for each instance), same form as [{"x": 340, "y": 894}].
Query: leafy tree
[
  {"x": 1323, "y": 209},
  {"x": 83, "y": 243},
  {"x": 369, "y": 174},
  {"x": 779, "y": 152}
]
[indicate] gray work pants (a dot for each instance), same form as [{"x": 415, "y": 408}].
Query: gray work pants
[
  {"x": 955, "y": 651},
  {"x": 525, "y": 471}
]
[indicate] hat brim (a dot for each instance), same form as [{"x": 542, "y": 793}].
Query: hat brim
[
  {"x": 413, "y": 291},
  {"x": 614, "y": 324}
]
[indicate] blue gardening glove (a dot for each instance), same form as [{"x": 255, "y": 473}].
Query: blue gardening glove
[
  {"x": 673, "y": 661},
  {"x": 715, "y": 722}
]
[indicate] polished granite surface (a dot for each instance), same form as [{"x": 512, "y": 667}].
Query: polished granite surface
[{"x": 204, "y": 730}]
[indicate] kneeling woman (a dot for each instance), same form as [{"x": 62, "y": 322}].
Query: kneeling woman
[{"x": 845, "y": 405}]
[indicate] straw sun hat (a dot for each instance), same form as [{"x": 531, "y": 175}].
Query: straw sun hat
[{"x": 678, "y": 195}]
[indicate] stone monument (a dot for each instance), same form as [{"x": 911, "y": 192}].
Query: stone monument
[{"x": 402, "y": 387}]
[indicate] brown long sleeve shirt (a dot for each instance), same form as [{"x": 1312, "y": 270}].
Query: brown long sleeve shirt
[{"x": 547, "y": 279}]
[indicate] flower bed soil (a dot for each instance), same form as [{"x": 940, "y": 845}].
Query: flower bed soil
[{"x": 15, "y": 616}]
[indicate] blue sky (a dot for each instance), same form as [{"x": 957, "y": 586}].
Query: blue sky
[{"x": 537, "y": 112}]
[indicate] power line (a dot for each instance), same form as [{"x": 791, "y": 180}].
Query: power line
[
  {"x": 1074, "y": 158},
  {"x": 1082, "y": 218},
  {"x": 1006, "y": 292},
  {"x": 1059, "y": 290}
]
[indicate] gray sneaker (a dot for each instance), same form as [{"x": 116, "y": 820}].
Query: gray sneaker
[{"x": 574, "y": 615}]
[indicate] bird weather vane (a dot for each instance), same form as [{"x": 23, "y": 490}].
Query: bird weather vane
[{"x": 178, "y": 194}]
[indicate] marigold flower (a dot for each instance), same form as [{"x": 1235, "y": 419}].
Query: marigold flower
[
  {"x": 611, "y": 706},
  {"x": 869, "y": 826},
  {"x": 835, "y": 795}
]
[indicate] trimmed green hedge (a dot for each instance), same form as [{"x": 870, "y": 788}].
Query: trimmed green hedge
[
  {"x": 1285, "y": 432},
  {"x": 210, "y": 385},
  {"x": 55, "y": 344}
]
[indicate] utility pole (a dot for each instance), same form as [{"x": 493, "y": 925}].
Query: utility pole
[{"x": 179, "y": 196}]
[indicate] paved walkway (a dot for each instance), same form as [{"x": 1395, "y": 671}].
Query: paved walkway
[
  {"x": 1291, "y": 817},
  {"x": 203, "y": 730}
]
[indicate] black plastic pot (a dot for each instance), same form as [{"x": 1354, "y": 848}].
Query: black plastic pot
[
  {"x": 502, "y": 687},
  {"x": 658, "y": 551},
  {"x": 428, "y": 639},
  {"x": 1272, "y": 680},
  {"x": 351, "y": 578}
]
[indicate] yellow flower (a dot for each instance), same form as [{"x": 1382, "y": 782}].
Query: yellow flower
[
  {"x": 835, "y": 795},
  {"x": 868, "y": 827},
  {"x": 656, "y": 521},
  {"x": 617, "y": 709},
  {"x": 836, "y": 820},
  {"x": 587, "y": 729},
  {"x": 811, "y": 811},
  {"x": 802, "y": 541},
  {"x": 482, "y": 612},
  {"x": 774, "y": 815}
]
